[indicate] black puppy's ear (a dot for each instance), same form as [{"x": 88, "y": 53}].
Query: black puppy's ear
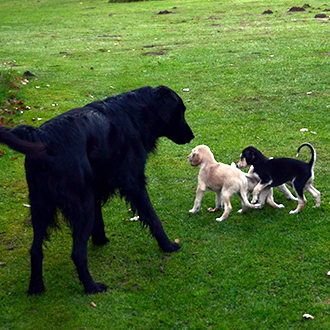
[
  {"x": 166, "y": 102},
  {"x": 250, "y": 155}
]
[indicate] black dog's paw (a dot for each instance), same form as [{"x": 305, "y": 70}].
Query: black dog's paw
[
  {"x": 172, "y": 247},
  {"x": 100, "y": 241},
  {"x": 97, "y": 288},
  {"x": 35, "y": 289}
]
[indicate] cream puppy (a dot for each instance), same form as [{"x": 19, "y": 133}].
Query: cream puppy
[{"x": 224, "y": 180}]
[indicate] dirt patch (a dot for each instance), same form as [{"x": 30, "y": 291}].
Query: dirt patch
[
  {"x": 164, "y": 12},
  {"x": 154, "y": 53},
  {"x": 267, "y": 12},
  {"x": 294, "y": 9},
  {"x": 28, "y": 74},
  {"x": 109, "y": 36},
  {"x": 320, "y": 16}
]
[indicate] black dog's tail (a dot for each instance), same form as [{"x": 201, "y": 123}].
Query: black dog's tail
[
  {"x": 313, "y": 159},
  {"x": 33, "y": 149}
]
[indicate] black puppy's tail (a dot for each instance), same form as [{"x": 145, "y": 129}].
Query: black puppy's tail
[
  {"x": 33, "y": 149},
  {"x": 313, "y": 159}
]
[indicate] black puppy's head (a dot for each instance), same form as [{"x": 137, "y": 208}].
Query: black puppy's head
[
  {"x": 248, "y": 157},
  {"x": 171, "y": 110}
]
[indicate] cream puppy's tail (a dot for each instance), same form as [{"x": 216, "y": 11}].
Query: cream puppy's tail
[{"x": 243, "y": 193}]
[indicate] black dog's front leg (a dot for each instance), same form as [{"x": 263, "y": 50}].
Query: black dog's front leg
[{"x": 141, "y": 201}]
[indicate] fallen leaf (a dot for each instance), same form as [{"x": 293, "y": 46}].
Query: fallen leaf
[
  {"x": 308, "y": 316},
  {"x": 93, "y": 304},
  {"x": 177, "y": 240}
]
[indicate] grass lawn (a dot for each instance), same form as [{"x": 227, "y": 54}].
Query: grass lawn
[{"x": 253, "y": 79}]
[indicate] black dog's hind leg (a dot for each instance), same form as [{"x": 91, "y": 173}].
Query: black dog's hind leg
[
  {"x": 42, "y": 212},
  {"x": 80, "y": 213},
  {"x": 141, "y": 201},
  {"x": 98, "y": 234}
]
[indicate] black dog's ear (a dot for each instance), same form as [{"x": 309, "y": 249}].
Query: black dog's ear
[{"x": 166, "y": 102}]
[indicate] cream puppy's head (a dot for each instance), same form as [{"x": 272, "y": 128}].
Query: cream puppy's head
[{"x": 200, "y": 154}]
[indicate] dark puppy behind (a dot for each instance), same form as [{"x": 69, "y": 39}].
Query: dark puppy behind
[
  {"x": 75, "y": 161},
  {"x": 276, "y": 171}
]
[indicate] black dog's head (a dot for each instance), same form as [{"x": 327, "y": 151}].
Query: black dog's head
[
  {"x": 171, "y": 110},
  {"x": 248, "y": 157}
]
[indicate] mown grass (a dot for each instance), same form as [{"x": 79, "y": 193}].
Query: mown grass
[{"x": 248, "y": 76}]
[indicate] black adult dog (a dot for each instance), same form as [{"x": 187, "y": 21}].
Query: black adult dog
[
  {"x": 276, "y": 171},
  {"x": 75, "y": 161}
]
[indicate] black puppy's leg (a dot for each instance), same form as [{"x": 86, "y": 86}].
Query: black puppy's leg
[
  {"x": 98, "y": 234},
  {"x": 299, "y": 189},
  {"x": 141, "y": 201},
  {"x": 315, "y": 193},
  {"x": 42, "y": 212}
]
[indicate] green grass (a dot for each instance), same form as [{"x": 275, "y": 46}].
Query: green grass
[{"x": 248, "y": 75}]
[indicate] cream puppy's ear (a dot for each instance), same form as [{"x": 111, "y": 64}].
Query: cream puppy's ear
[{"x": 196, "y": 158}]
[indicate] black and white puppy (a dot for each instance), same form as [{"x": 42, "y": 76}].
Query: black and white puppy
[
  {"x": 276, "y": 171},
  {"x": 266, "y": 195}
]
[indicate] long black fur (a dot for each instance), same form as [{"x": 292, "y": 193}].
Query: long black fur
[{"x": 75, "y": 161}]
